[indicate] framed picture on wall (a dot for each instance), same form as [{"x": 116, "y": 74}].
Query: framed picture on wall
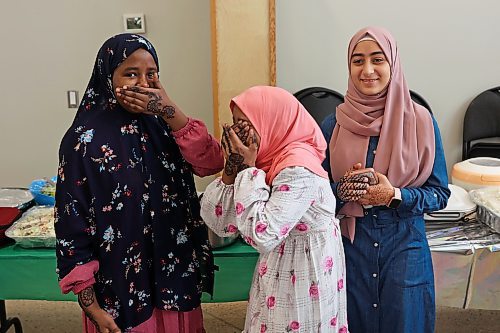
[{"x": 134, "y": 23}]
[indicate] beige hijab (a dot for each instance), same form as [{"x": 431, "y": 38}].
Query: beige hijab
[{"x": 406, "y": 148}]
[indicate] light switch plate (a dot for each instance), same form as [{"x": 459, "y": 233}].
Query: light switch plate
[{"x": 72, "y": 99}]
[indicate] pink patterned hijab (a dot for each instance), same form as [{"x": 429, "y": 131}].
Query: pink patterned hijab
[
  {"x": 406, "y": 148},
  {"x": 289, "y": 136}
]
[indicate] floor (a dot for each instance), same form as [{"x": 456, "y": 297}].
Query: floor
[{"x": 64, "y": 317}]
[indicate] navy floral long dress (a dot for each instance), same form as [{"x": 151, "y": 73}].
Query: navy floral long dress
[{"x": 126, "y": 198}]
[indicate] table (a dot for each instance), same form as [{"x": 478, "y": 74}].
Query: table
[
  {"x": 29, "y": 274},
  {"x": 466, "y": 262},
  {"x": 467, "y": 281}
]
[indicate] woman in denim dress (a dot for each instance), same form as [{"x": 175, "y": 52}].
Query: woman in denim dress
[{"x": 389, "y": 268}]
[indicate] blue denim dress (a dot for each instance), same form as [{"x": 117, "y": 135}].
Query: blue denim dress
[{"x": 390, "y": 281}]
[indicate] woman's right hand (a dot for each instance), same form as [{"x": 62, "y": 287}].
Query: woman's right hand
[
  {"x": 352, "y": 187},
  {"x": 102, "y": 321},
  {"x": 239, "y": 155},
  {"x": 242, "y": 130}
]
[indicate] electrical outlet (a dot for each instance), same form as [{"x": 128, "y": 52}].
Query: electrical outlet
[{"x": 72, "y": 99}]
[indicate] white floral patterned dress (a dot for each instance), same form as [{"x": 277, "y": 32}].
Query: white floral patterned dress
[{"x": 298, "y": 284}]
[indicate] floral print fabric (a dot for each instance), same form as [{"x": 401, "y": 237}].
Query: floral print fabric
[
  {"x": 299, "y": 280},
  {"x": 126, "y": 198}
]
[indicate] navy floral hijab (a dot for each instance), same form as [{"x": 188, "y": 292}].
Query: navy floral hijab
[{"x": 126, "y": 197}]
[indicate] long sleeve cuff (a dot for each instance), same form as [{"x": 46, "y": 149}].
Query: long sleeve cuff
[
  {"x": 79, "y": 278},
  {"x": 199, "y": 148}
]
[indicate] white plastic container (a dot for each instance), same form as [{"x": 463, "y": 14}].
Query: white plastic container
[
  {"x": 476, "y": 173},
  {"x": 459, "y": 205}
]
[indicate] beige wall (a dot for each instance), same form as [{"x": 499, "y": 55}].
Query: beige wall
[
  {"x": 242, "y": 45},
  {"x": 49, "y": 47}
]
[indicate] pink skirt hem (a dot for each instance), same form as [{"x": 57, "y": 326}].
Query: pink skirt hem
[{"x": 162, "y": 321}]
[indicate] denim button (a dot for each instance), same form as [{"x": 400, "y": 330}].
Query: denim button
[
  {"x": 375, "y": 244},
  {"x": 375, "y": 305},
  {"x": 374, "y": 275},
  {"x": 366, "y": 213}
]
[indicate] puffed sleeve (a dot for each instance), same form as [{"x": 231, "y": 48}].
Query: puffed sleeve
[{"x": 199, "y": 148}]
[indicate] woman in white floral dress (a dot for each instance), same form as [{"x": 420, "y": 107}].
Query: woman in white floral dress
[{"x": 275, "y": 193}]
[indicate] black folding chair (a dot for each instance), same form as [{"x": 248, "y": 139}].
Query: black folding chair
[
  {"x": 420, "y": 100},
  {"x": 319, "y": 101},
  {"x": 482, "y": 121}
]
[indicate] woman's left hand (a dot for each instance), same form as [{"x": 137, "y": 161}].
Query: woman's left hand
[
  {"x": 153, "y": 100},
  {"x": 380, "y": 194},
  {"x": 239, "y": 155}
]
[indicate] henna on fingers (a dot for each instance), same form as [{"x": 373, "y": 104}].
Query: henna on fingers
[
  {"x": 234, "y": 152},
  {"x": 229, "y": 168},
  {"x": 352, "y": 187},
  {"x": 240, "y": 128}
]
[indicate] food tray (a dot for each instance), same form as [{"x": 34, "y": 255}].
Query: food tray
[
  {"x": 35, "y": 228},
  {"x": 488, "y": 206},
  {"x": 486, "y": 216},
  {"x": 17, "y": 197}
]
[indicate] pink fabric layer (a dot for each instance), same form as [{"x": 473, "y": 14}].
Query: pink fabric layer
[
  {"x": 199, "y": 148},
  {"x": 80, "y": 277},
  {"x": 162, "y": 321},
  {"x": 406, "y": 148},
  {"x": 289, "y": 136}
]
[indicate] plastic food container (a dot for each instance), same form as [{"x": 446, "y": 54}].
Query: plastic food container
[
  {"x": 488, "y": 206},
  {"x": 44, "y": 190},
  {"x": 476, "y": 173},
  {"x": 13, "y": 201},
  {"x": 35, "y": 228},
  {"x": 459, "y": 205}
]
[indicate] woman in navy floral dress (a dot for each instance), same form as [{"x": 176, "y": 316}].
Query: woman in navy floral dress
[{"x": 130, "y": 240}]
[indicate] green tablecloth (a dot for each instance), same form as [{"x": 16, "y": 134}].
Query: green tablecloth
[{"x": 30, "y": 274}]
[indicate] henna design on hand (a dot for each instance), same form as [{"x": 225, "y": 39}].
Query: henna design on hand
[
  {"x": 352, "y": 187},
  {"x": 380, "y": 195},
  {"x": 155, "y": 106},
  {"x": 228, "y": 169},
  {"x": 239, "y": 129},
  {"x": 234, "y": 162}
]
